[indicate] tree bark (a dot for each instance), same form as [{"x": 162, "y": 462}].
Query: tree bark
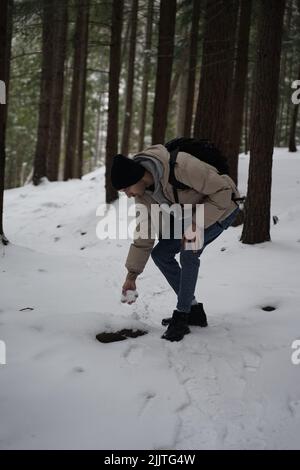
[
  {"x": 239, "y": 87},
  {"x": 263, "y": 121},
  {"x": 146, "y": 71},
  {"x": 130, "y": 80},
  {"x": 73, "y": 158},
  {"x": 4, "y": 65},
  {"x": 216, "y": 71},
  {"x": 9, "y": 167},
  {"x": 164, "y": 69},
  {"x": 189, "y": 107},
  {"x": 59, "y": 54},
  {"x": 113, "y": 104},
  {"x": 83, "y": 73},
  {"x": 285, "y": 93},
  {"x": 41, "y": 152}
]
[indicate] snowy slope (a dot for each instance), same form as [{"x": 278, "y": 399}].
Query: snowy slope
[{"x": 229, "y": 386}]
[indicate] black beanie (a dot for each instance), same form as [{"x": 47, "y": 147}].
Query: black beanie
[{"x": 125, "y": 172}]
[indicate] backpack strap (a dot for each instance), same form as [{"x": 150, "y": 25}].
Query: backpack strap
[{"x": 172, "y": 178}]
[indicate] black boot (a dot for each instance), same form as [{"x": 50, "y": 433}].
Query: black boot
[
  {"x": 196, "y": 317},
  {"x": 178, "y": 327}
]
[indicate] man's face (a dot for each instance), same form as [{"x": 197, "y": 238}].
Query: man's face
[{"x": 136, "y": 189}]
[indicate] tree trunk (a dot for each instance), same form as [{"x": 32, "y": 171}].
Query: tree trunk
[
  {"x": 83, "y": 71},
  {"x": 216, "y": 71},
  {"x": 9, "y": 166},
  {"x": 59, "y": 53},
  {"x": 285, "y": 92},
  {"x": 164, "y": 69},
  {"x": 113, "y": 100},
  {"x": 263, "y": 121},
  {"x": 146, "y": 71},
  {"x": 130, "y": 80},
  {"x": 239, "y": 87},
  {"x": 73, "y": 158},
  {"x": 292, "y": 139},
  {"x": 189, "y": 108},
  {"x": 40, "y": 159},
  {"x": 4, "y": 65}
]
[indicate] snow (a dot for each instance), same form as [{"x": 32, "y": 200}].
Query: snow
[{"x": 229, "y": 386}]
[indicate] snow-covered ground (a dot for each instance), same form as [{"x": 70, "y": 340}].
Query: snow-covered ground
[{"x": 229, "y": 386}]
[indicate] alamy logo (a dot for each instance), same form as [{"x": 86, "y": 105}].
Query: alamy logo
[
  {"x": 2, "y": 353},
  {"x": 2, "y": 92},
  {"x": 123, "y": 220},
  {"x": 295, "y": 358},
  {"x": 296, "y": 94}
]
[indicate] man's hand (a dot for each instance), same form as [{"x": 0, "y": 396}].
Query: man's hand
[
  {"x": 131, "y": 296},
  {"x": 191, "y": 238}
]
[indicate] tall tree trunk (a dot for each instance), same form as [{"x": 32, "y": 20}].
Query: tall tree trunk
[
  {"x": 113, "y": 103},
  {"x": 164, "y": 69},
  {"x": 73, "y": 158},
  {"x": 285, "y": 92},
  {"x": 83, "y": 74},
  {"x": 292, "y": 139},
  {"x": 4, "y": 65},
  {"x": 239, "y": 87},
  {"x": 189, "y": 108},
  {"x": 130, "y": 80},
  {"x": 59, "y": 54},
  {"x": 9, "y": 166},
  {"x": 216, "y": 71},
  {"x": 41, "y": 152},
  {"x": 263, "y": 121},
  {"x": 146, "y": 70}
]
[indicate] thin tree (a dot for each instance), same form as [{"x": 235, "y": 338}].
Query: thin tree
[
  {"x": 239, "y": 88},
  {"x": 263, "y": 121},
  {"x": 146, "y": 71},
  {"x": 40, "y": 158},
  {"x": 164, "y": 69},
  {"x": 74, "y": 148},
  {"x": 3, "y": 114},
  {"x": 130, "y": 80},
  {"x": 189, "y": 107},
  {"x": 113, "y": 100},
  {"x": 59, "y": 54},
  {"x": 284, "y": 95}
]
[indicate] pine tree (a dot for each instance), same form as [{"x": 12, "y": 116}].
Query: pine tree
[
  {"x": 263, "y": 120},
  {"x": 164, "y": 69},
  {"x": 113, "y": 105}
]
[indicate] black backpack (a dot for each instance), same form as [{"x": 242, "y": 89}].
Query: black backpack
[{"x": 202, "y": 149}]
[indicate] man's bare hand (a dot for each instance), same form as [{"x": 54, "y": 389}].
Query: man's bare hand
[
  {"x": 129, "y": 294},
  {"x": 128, "y": 285},
  {"x": 191, "y": 238}
]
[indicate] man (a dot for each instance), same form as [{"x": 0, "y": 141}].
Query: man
[{"x": 146, "y": 178}]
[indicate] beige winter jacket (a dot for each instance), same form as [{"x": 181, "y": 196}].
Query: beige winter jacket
[{"x": 208, "y": 187}]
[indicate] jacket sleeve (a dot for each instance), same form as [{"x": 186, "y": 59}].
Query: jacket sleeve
[
  {"x": 143, "y": 242},
  {"x": 217, "y": 189}
]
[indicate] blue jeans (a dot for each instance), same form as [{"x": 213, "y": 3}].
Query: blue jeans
[{"x": 183, "y": 279}]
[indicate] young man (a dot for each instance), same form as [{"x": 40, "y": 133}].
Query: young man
[{"x": 146, "y": 178}]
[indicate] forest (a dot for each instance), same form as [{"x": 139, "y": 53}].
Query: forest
[
  {"x": 87, "y": 79},
  {"x": 99, "y": 351}
]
